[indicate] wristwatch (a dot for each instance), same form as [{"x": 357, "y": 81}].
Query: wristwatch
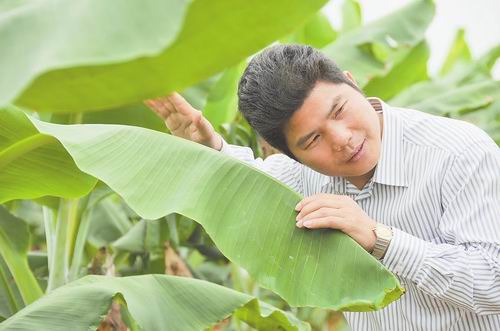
[{"x": 384, "y": 236}]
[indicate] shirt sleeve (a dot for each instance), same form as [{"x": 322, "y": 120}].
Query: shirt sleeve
[
  {"x": 279, "y": 166},
  {"x": 465, "y": 271}
]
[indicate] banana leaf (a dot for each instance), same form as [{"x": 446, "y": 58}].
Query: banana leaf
[
  {"x": 458, "y": 52},
  {"x": 459, "y": 100},
  {"x": 352, "y": 16},
  {"x": 249, "y": 215},
  {"x": 14, "y": 244},
  {"x": 317, "y": 32},
  {"x": 10, "y": 298},
  {"x": 29, "y": 163},
  {"x": 222, "y": 101},
  {"x": 373, "y": 49},
  {"x": 153, "y": 302},
  {"x": 412, "y": 69},
  {"x": 69, "y": 56}
]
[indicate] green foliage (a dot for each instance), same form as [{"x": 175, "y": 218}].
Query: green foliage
[
  {"x": 373, "y": 49},
  {"x": 173, "y": 303},
  {"x": 352, "y": 17},
  {"x": 222, "y": 101},
  {"x": 94, "y": 58},
  {"x": 95, "y": 64},
  {"x": 317, "y": 32},
  {"x": 458, "y": 52},
  {"x": 14, "y": 246},
  {"x": 28, "y": 157},
  {"x": 101, "y": 151}
]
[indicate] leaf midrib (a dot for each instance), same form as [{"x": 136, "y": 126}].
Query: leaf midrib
[{"x": 22, "y": 147}]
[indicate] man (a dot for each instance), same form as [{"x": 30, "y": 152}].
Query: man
[{"x": 420, "y": 192}]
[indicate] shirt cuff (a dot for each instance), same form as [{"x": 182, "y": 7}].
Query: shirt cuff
[
  {"x": 405, "y": 254},
  {"x": 225, "y": 146}
]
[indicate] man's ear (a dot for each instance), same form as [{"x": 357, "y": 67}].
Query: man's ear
[{"x": 350, "y": 77}]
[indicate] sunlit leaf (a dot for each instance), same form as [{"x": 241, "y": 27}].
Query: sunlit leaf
[
  {"x": 28, "y": 157},
  {"x": 412, "y": 69},
  {"x": 93, "y": 55},
  {"x": 320, "y": 268},
  {"x": 351, "y": 15},
  {"x": 154, "y": 302},
  {"x": 317, "y": 32},
  {"x": 458, "y": 52},
  {"x": 222, "y": 102},
  {"x": 462, "y": 99},
  {"x": 365, "y": 50},
  {"x": 14, "y": 245}
]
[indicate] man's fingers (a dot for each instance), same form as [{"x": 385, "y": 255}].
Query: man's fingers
[
  {"x": 180, "y": 104},
  {"x": 167, "y": 104},
  {"x": 324, "y": 222},
  {"x": 159, "y": 107},
  {"x": 320, "y": 213},
  {"x": 311, "y": 198},
  {"x": 309, "y": 208},
  {"x": 152, "y": 104},
  {"x": 318, "y": 203}
]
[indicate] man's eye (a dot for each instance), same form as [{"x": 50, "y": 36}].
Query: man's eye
[
  {"x": 338, "y": 112},
  {"x": 313, "y": 140}
]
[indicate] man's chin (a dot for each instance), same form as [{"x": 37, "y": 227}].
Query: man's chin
[{"x": 366, "y": 171}]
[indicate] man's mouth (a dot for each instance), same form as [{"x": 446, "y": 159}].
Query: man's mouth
[{"x": 358, "y": 152}]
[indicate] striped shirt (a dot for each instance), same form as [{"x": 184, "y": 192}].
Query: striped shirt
[{"x": 437, "y": 184}]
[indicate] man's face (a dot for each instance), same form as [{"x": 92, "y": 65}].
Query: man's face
[{"x": 329, "y": 129}]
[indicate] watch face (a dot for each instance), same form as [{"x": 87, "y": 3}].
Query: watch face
[{"x": 384, "y": 232}]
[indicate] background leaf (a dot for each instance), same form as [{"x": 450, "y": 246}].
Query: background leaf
[
  {"x": 155, "y": 302},
  {"x": 373, "y": 49},
  {"x": 222, "y": 101},
  {"x": 27, "y": 157},
  {"x": 14, "y": 245},
  {"x": 55, "y": 69}
]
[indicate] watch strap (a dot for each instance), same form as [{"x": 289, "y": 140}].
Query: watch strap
[{"x": 384, "y": 236}]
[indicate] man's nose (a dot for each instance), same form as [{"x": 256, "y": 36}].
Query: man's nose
[{"x": 339, "y": 136}]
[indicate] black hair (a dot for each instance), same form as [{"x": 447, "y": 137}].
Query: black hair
[{"x": 275, "y": 85}]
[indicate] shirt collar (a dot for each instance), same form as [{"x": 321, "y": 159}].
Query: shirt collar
[{"x": 390, "y": 167}]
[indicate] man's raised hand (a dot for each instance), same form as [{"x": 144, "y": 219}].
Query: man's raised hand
[{"x": 185, "y": 121}]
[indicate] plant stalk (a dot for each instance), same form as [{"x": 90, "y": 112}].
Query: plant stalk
[
  {"x": 14, "y": 307},
  {"x": 58, "y": 276},
  {"x": 49, "y": 217}
]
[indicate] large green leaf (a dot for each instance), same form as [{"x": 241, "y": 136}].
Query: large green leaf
[
  {"x": 352, "y": 16},
  {"x": 458, "y": 52},
  {"x": 476, "y": 71},
  {"x": 461, "y": 99},
  {"x": 108, "y": 223},
  {"x": 475, "y": 76},
  {"x": 317, "y": 32},
  {"x": 135, "y": 114},
  {"x": 373, "y": 49},
  {"x": 10, "y": 298},
  {"x": 14, "y": 244},
  {"x": 91, "y": 54},
  {"x": 135, "y": 240},
  {"x": 144, "y": 236},
  {"x": 487, "y": 118},
  {"x": 249, "y": 215},
  {"x": 412, "y": 69},
  {"x": 154, "y": 302},
  {"x": 222, "y": 101},
  {"x": 33, "y": 165}
]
